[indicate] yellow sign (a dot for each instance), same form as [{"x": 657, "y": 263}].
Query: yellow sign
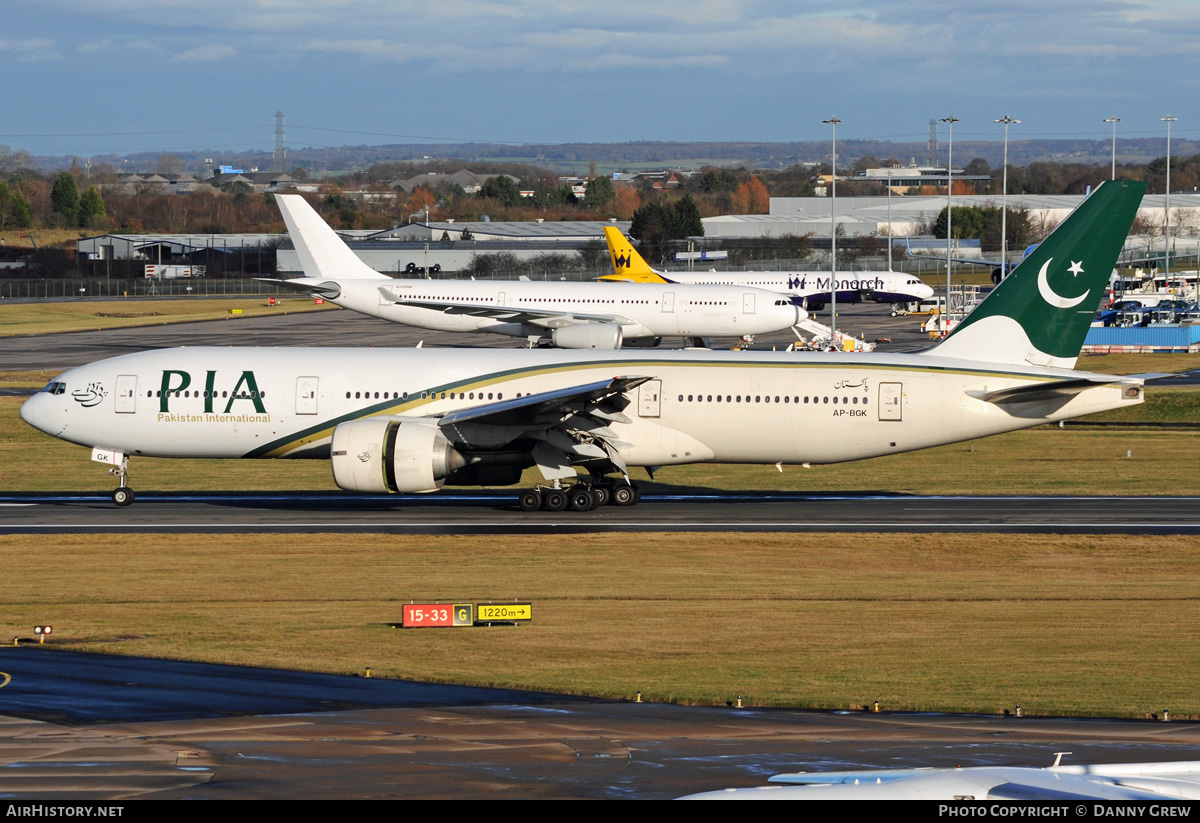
[{"x": 503, "y": 612}]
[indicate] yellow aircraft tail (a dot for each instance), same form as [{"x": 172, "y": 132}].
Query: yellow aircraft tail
[{"x": 627, "y": 263}]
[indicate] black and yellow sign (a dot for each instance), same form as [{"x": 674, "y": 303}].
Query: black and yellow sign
[{"x": 503, "y": 612}]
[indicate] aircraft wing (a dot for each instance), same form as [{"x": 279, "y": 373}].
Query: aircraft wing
[
  {"x": 547, "y": 318},
  {"x": 567, "y": 427}
]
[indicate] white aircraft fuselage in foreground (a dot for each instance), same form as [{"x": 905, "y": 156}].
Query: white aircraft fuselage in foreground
[
  {"x": 562, "y": 314},
  {"x": 1161, "y": 783},
  {"x": 812, "y": 288},
  {"x": 407, "y": 420}
]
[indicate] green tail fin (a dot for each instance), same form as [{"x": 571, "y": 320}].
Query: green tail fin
[{"x": 1040, "y": 314}]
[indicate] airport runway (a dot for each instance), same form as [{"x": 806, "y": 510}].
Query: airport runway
[
  {"x": 497, "y": 513},
  {"x": 99, "y": 727}
]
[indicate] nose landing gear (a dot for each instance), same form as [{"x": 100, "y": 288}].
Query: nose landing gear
[{"x": 122, "y": 495}]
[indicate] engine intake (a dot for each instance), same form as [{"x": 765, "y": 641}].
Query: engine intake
[{"x": 389, "y": 454}]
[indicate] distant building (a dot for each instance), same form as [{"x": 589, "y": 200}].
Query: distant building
[
  {"x": 160, "y": 183},
  {"x": 468, "y": 181}
]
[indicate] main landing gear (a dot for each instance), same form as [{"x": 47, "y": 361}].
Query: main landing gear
[
  {"x": 122, "y": 495},
  {"x": 581, "y": 497}
]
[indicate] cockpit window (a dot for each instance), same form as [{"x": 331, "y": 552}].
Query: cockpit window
[{"x": 55, "y": 387}]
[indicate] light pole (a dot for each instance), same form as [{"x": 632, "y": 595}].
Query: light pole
[
  {"x": 1167, "y": 236},
  {"x": 1114, "y": 120},
  {"x": 833, "y": 122},
  {"x": 889, "y": 231},
  {"x": 949, "y": 121},
  {"x": 1007, "y": 121}
]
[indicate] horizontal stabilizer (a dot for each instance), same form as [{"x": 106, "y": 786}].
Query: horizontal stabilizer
[
  {"x": 1052, "y": 390},
  {"x": 309, "y": 285}
]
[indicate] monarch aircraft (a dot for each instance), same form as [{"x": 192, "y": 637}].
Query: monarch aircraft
[
  {"x": 412, "y": 420},
  {"x": 564, "y": 315},
  {"x": 811, "y": 287}
]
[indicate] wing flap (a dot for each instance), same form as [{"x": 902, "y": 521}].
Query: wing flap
[{"x": 569, "y": 426}]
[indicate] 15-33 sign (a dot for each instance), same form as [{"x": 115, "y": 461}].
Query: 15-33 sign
[{"x": 431, "y": 615}]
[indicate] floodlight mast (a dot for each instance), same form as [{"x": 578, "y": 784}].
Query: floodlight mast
[
  {"x": 833, "y": 122},
  {"x": 1006, "y": 120},
  {"x": 950, "y": 121}
]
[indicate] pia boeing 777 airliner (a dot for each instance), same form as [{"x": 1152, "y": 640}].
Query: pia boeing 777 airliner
[{"x": 405, "y": 420}]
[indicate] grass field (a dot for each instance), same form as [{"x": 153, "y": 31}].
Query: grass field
[
  {"x": 66, "y": 315},
  {"x": 1073, "y": 626}
]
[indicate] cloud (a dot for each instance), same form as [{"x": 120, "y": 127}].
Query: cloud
[
  {"x": 30, "y": 51},
  {"x": 209, "y": 53}
]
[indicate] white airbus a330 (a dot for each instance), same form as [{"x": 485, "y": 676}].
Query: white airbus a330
[{"x": 561, "y": 314}]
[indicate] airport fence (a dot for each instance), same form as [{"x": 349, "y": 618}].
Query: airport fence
[{"x": 65, "y": 289}]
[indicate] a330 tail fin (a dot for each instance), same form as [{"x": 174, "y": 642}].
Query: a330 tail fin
[
  {"x": 628, "y": 265},
  {"x": 322, "y": 253},
  {"x": 1041, "y": 312}
]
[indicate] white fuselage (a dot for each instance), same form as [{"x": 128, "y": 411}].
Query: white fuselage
[
  {"x": 813, "y": 286},
  {"x": 641, "y": 312},
  {"x": 735, "y": 407}
]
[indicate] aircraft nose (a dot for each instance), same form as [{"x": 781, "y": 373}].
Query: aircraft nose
[{"x": 36, "y": 412}]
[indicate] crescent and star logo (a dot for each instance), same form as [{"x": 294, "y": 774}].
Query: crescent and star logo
[{"x": 1052, "y": 297}]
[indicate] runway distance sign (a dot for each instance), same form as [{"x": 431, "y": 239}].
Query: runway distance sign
[
  {"x": 503, "y": 612},
  {"x": 436, "y": 615}
]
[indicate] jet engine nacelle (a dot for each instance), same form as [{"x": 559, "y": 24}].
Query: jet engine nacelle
[
  {"x": 390, "y": 454},
  {"x": 587, "y": 336}
]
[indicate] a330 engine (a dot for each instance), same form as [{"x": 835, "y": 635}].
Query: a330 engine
[
  {"x": 392, "y": 454},
  {"x": 587, "y": 336}
]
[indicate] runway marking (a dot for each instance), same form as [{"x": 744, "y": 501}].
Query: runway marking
[{"x": 696, "y": 525}]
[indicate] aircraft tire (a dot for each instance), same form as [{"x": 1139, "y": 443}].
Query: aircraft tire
[
  {"x": 554, "y": 500},
  {"x": 625, "y": 495},
  {"x": 531, "y": 500},
  {"x": 603, "y": 495},
  {"x": 583, "y": 500},
  {"x": 123, "y": 496}
]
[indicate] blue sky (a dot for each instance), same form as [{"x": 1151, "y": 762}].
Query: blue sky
[{"x": 89, "y": 77}]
